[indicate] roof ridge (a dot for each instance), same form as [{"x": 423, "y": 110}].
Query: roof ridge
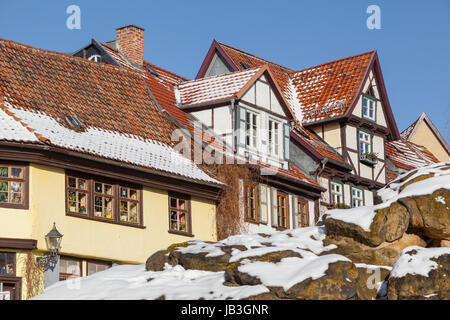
[
  {"x": 333, "y": 61},
  {"x": 68, "y": 56},
  {"x": 255, "y": 56}
]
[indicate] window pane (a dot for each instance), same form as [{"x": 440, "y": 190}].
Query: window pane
[
  {"x": 108, "y": 189},
  {"x": 82, "y": 184},
  {"x": 4, "y": 172},
  {"x": 108, "y": 208},
  {"x": 124, "y": 192},
  {"x": 133, "y": 212},
  {"x": 16, "y": 173},
  {"x": 7, "y": 263},
  {"x": 173, "y": 202},
  {"x": 133, "y": 194},
  {"x": 72, "y": 201},
  {"x": 72, "y": 182},
  {"x": 98, "y": 187}
]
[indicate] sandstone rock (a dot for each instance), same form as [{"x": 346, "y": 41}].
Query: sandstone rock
[
  {"x": 370, "y": 280},
  {"x": 389, "y": 224},
  {"x": 385, "y": 254},
  {"x": 158, "y": 259},
  {"x": 420, "y": 273}
]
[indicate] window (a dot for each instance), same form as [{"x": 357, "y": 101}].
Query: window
[
  {"x": 13, "y": 185},
  {"x": 96, "y": 58},
  {"x": 69, "y": 268},
  {"x": 179, "y": 214},
  {"x": 251, "y": 128},
  {"x": 337, "y": 192},
  {"x": 251, "y": 203},
  {"x": 8, "y": 263},
  {"x": 274, "y": 132},
  {"x": 283, "y": 209},
  {"x": 97, "y": 266},
  {"x": 368, "y": 107},
  {"x": 303, "y": 213},
  {"x": 129, "y": 205},
  {"x": 103, "y": 201},
  {"x": 365, "y": 142},
  {"x": 77, "y": 195},
  {"x": 357, "y": 197}
]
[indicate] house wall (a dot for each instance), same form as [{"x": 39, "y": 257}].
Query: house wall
[
  {"x": 424, "y": 136},
  {"x": 217, "y": 66},
  {"x": 99, "y": 240}
]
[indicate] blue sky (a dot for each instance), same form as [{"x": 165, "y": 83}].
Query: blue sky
[{"x": 413, "y": 42}]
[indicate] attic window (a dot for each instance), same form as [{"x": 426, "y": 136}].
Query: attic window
[
  {"x": 96, "y": 58},
  {"x": 245, "y": 66},
  {"x": 73, "y": 122},
  {"x": 153, "y": 72}
]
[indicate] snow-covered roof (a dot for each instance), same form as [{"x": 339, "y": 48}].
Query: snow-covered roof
[
  {"x": 119, "y": 119},
  {"x": 215, "y": 88}
]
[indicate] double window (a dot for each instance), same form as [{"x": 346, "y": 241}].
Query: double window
[
  {"x": 337, "y": 192},
  {"x": 251, "y": 129},
  {"x": 365, "y": 142},
  {"x": 179, "y": 214},
  {"x": 103, "y": 201},
  {"x": 283, "y": 210},
  {"x": 13, "y": 186},
  {"x": 357, "y": 197},
  {"x": 251, "y": 202},
  {"x": 369, "y": 108},
  {"x": 303, "y": 213}
]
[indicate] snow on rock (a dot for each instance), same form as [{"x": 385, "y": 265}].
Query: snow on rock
[
  {"x": 130, "y": 282},
  {"x": 417, "y": 261},
  {"x": 402, "y": 186},
  {"x": 290, "y": 271}
]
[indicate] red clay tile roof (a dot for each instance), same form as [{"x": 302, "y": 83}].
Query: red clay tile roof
[
  {"x": 44, "y": 86},
  {"x": 406, "y": 155},
  {"x": 328, "y": 90},
  {"x": 216, "y": 88}
]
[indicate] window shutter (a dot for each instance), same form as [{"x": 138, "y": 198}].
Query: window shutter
[
  {"x": 241, "y": 125},
  {"x": 286, "y": 139},
  {"x": 274, "y": 207},
  {"x": 263, "y": 209},
  {"x": 295, "y": 213}
]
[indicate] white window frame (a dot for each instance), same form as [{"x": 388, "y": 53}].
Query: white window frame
[
  {"x": 273, "y": 137},
  {"x": 364, "y": 142},
  {"x": 251, "y": 129},
  {"x": 357, "y": 200},
  {"x": 96, "y": 58},
  {"x": 335, "y": 194},
  {"x": 369, "y": 104}
]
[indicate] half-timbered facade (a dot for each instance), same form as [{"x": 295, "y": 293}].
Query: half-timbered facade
[{"x": 340, "y": 105}]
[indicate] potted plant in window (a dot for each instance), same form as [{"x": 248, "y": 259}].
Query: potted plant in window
[{"x": 369, "y": 158}]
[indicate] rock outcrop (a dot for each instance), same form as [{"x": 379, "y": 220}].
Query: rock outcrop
[{"x": 419, "y": 274}]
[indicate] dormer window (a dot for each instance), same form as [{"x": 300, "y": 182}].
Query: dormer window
[
  {"x": 369, "y": 108},
  {"x": 73, "y": 122},
  {"x": 96, "y": 58}
]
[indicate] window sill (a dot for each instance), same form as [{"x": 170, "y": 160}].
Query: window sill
[
  {"x": 105, "y": 220},
  {"x": 252, "y": 221},
  {"x": 14, "y": 206},
  {"x": 181, "y": 233}
]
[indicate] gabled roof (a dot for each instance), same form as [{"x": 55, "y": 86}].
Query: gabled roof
[
  {"x": 409, "y": 132},
  {"x": 406, "y": 155},
  {"x": 216, "y": 88},
  {"x": 328, "y": 90},
  {"x": 228, "y": 86},
  {"x": 120, "y": 121},
  {"x": 320, "y": 93}
]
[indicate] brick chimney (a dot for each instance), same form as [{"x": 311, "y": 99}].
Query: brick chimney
[{"x": 130, "y": 42}]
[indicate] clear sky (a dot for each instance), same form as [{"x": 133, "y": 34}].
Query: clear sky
[{"x": 413, "y": 43}]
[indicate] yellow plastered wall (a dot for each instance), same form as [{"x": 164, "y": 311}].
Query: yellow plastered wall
[
  {"x": 424, "y": 136},
  {"x": 99, "y": 240}
]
